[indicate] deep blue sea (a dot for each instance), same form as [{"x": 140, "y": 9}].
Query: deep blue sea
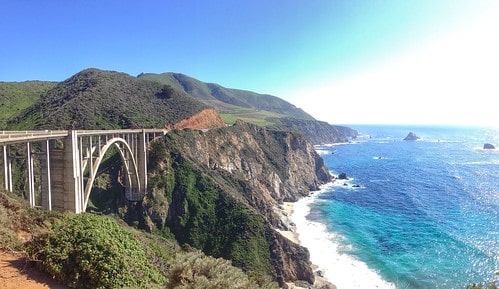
[{"x": 425, "y": 213}]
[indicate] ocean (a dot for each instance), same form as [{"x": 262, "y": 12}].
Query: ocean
[{"x": 413, "y": 214}]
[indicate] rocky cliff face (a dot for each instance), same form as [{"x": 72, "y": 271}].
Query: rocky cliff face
[
  {"x": 319, "y": 132},
  {"x": 219, "y": 191},
  {"x": 278, "y": 165}
]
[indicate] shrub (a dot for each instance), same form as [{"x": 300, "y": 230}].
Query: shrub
[
  {"x": 17, "y": 217},
  {"x": 195, "y": 271},
  {"x": 89, "y": 251}
]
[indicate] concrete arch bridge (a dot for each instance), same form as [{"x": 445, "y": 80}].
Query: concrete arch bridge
[{"x": 69, "y": 161}]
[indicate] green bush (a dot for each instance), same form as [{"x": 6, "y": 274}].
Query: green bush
[
  {"x": 195, "y": 271},
  {"x": 17, "y": 217},
  {"x": 8, "y": 237},
  {"x": 89, "y": 251}
]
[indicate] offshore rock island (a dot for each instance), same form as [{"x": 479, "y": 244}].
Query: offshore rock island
[
  {"x": 411, "y": 136},
  {"x": 217, "y": 180}
]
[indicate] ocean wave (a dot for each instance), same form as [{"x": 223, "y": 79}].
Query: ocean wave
[
  {"x": 325, "y": 250},
  {"x": 329, "y": 145},
  {"x": 486, "y": 162},
  {"x": 441, "y": 141},
  {"x": 322, "y": 151}
]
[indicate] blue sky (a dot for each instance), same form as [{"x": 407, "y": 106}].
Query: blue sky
[{"x": 350, "y": 61}]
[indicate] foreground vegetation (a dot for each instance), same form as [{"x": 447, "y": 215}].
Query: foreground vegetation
[{"x": 91, "y": 251}]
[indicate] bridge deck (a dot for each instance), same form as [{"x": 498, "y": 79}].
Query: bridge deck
[{"x": 13, "y": 137}]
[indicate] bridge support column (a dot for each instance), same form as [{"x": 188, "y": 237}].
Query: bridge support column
[
  {"x": 46, "y": 175},
  {"x": 142, "y": 162},
  {"x": 31, "y": 175},
  {"x": 58, "y": 192},
  {"x": 73, "y": 196},
  {"x": 7, "y": 169}
]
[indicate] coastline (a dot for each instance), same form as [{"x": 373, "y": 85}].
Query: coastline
[
  {"x": 330, "y": 266},
  {"x": 287, "y": 210}
]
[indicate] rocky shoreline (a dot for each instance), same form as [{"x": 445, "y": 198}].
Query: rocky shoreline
[{"x": 286, "y": 211}]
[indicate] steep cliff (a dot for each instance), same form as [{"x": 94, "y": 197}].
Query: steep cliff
[
  {"x": 319, "y": 132},
  {"x": 219, "y": 192},
  {"x": 283, "y": 165}
]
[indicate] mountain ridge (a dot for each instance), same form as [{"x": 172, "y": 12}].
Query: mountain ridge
[
  {"x": 212, "y": 93},
  {"x": 261, "y": 109},
  {"x": 97, "y": 99}
]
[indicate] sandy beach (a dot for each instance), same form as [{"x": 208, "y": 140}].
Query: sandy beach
[{"x": 287, "y": 210}]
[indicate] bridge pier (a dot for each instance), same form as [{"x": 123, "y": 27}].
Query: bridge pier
[
  {"x": 7, "y": 168},
  {"x": 72, "y": 174},
  {"x": 53, "y": 191},
  {"x": 61, "y": 175},
  {"x": 31, "y": 175},
  {"x": 142, "y": 161},
  {"x": 46, "y": 174}
]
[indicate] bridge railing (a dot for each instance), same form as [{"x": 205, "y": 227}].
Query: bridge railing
[
  {"x": 7, "y": 138},
  {"x": 13, "y": 137}
]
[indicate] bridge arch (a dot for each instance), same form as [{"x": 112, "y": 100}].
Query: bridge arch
[{"x": 128, "y": 160}]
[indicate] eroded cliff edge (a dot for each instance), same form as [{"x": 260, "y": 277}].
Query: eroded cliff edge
[{"x": 219, "y": 191}]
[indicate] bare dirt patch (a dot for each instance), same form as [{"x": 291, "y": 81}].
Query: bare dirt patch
[{"x": 16, "y": 272}]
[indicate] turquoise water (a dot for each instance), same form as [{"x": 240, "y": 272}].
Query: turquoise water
[{"x": 426, "y": 213}]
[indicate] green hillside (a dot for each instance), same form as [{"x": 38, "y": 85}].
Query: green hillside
[
  {"x": 260, "y": 109},
  {"x": 246, "y": 105},
  {"x": 97, "y": 99},
  {"x": 17, "y": 96}
]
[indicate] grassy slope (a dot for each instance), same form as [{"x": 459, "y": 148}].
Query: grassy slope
[
  {"x": 96, "y": 99},
  {"x": 232, "y": 103},
  {"x": 17, "y": 96},
  {"x": 260, "y": 109}
]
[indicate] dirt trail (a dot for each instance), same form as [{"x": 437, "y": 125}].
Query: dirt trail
[{"x": 14, "y": 274}]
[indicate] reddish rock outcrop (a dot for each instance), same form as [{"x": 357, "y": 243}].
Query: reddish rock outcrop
[{"x": 205, "y": 119}]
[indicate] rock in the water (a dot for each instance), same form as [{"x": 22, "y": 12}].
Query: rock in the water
[
  {"x": 342, "y": 176},
  {"x": 488, "y": 146},
  {"x": 411, "y": 136}
]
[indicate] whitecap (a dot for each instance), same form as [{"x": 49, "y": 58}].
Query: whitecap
[
  {"x": 339, "y": 268},
  {"x": 322, "y": 151}
]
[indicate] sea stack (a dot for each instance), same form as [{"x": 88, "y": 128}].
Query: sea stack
[
  {"x": 488, "y": 146},
  {"x": 342, "y": 176},
  {"x": 411, "y": 136}
]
